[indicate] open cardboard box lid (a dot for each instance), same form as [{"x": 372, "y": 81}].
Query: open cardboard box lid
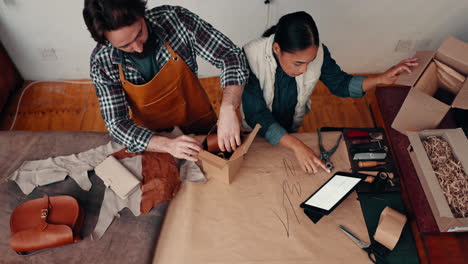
[
  {"x": 238, "y": 153},
  {"x": 410, "y": 79},
  {"x": 452, "y": 52},
  {"x": 461, "y": 100}
]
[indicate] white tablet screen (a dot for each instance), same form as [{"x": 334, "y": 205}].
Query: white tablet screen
[{"x": 332, "y": 192}]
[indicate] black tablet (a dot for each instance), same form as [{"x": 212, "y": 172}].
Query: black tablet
[{"x": 333, "y": 192}]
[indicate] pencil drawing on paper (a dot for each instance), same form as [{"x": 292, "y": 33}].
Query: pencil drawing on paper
[{"x": 290, "y": 187}]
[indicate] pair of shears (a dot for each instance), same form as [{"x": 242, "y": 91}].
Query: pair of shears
[
  {"x": 326, "y": 155},
  {"x": 372, "y": 252}
]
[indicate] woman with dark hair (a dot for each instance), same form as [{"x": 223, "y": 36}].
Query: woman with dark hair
[
  {"x": 145, "y": 61},
  {"x": 285, "y": 65}
]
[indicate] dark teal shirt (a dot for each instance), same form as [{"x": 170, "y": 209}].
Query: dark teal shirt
[
  {"x": 147, "y": 66},
  {"x": 285, "y": 99},
  {"x": 279, "y": 121}
]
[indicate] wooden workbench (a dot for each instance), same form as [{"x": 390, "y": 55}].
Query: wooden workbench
[{"x": 257, "y": 218}]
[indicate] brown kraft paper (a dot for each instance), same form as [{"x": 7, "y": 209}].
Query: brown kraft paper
[
  {"x": 389, "y": 229},
  {"x": 257, "y": 218}
]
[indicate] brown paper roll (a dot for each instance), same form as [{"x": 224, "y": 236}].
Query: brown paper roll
[
  {"x": 391, "y": 224},
  {"x": 212, "y": 143}
]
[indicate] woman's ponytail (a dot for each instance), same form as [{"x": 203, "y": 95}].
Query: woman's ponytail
[{"x": 270, "y": 31}]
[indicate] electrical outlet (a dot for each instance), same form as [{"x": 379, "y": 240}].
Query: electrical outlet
[
  {"x": 404, "y": 45},
  {"x": 48, "y": 54}
]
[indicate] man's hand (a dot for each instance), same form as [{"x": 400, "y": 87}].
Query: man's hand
[
  {"x": 182, "y": 147},
  {"x": 228, "y": 129},
  {"x": 228, "y": 123},
  {"x": 306, "y": 157}
]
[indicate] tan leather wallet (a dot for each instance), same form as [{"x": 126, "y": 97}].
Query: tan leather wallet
[{"x": 117, "y": 177}]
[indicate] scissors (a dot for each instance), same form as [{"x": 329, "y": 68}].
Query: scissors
[
  {"x": 372, "y": 252},
  {"x": 325, "y": 155}
]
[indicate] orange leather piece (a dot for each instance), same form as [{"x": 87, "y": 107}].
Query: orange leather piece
[
  {"x": 174, "y": 97},
  {"x": 35, "y": 239},
  {"x": 212, "y": 143},
  {"x": 161, "y": 179},
  {"x": 45, "y": 222}
]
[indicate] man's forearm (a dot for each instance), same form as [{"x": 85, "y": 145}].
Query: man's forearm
[
  {"x": 158, "y": 144},
  {"x": 232, "y": 96}
]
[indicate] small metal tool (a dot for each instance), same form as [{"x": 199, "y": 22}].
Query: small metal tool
[
  {"x": 326, "y": 155},
  {"x": 370, "y": 156},
  {"x": 385, "y": 176}
]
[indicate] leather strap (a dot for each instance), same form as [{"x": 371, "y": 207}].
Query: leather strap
[{"x": 44, "y": 213}]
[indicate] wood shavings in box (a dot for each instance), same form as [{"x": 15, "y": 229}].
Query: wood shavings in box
[{"x": 449, "y": 171}]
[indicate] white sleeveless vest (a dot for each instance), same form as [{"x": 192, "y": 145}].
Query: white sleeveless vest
[{"x": 263, "y": 64}]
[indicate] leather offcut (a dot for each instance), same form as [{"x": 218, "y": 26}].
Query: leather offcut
[{"x": 161, "y": 179}]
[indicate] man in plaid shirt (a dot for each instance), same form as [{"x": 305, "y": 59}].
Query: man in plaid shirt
[{"x": 135, "y": 47}]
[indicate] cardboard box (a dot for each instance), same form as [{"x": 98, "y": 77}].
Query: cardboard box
[
  {"x": 434, "y": 194},
  {"x": 445, "y": 68},
  {"x": 226, "y": 169}
]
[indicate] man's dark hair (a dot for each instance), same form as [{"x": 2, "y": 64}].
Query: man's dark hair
[
  {"x": 294, "y": 32},
  {"x": 107, "y": 15}
]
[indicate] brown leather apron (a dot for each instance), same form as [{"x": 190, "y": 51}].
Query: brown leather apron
[{"x": 174, "y": 97}]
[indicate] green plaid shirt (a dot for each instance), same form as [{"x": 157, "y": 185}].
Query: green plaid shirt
[{"x": 189, "y": 36}]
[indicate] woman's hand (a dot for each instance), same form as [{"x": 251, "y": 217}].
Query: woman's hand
[
  {"x": 391, "y": 75},
  {"x": 182, "y": 147},
  {"x": 307, "y": 159}
]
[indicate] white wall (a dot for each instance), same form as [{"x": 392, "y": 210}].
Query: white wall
[
  {"x": 48, "y": 39},
  {"x": 362, "y": 34}
]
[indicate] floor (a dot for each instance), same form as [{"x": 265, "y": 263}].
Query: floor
[{"x": 74, "y": 107}]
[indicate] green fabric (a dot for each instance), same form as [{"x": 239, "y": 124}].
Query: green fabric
[
  {"x": 372, "y": 205},
  {"x": 336, "y": 80},
  {"x": 285, "y": 99},
  {"x": 274, "y": 133},
  {"x": 283, "y": 107},
  {"x": 355, "y": 86},
  {"x": 147, "y": 66}
]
